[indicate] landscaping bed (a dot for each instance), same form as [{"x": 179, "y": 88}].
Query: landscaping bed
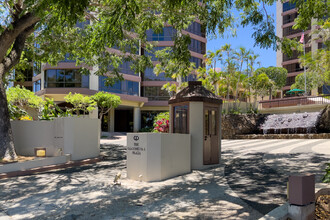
[
  {"x": 19, "y": 159},
  {"x": 322, "y": 207}
]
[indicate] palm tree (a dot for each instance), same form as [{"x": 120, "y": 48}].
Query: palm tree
[{"x": 241, "y": 55}]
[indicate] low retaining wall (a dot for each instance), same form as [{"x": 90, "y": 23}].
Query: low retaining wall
[
  {"x": 157, "y": 156},
  {"x": 77, "y": 136},
  {"x": 38, "y": 162},
  {"x": 283, "y": 136}
]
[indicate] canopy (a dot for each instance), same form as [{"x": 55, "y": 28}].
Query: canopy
[{"x": 295, "y": 91}]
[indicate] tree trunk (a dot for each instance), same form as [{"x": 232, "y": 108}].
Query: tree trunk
[
  {"x": 270, "y": 94},
  {"x": 7, "y": 150}
]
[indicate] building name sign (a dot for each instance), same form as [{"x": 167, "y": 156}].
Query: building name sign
[{"x": 136, "y": 150}]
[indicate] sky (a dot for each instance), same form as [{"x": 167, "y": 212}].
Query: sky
[{"x": 244, "y": 38}]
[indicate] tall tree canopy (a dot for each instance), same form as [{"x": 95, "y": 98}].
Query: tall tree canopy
[{"x": 86, "y": 29}]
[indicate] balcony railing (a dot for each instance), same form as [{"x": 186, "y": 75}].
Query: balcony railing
[{"x": 295, "y": 101}]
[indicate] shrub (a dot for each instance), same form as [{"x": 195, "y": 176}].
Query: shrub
[
  {"x": 326, "y": 178},
  {"x": 161, "y": 122},
  {"x": 80, "y": 103}
]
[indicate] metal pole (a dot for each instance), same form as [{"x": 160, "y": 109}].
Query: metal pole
[{"x": 305, "y": 65}]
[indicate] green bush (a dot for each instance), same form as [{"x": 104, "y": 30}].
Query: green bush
[
  {"x": 326, "y": 178},
  {"x": 146, "y": 129}
]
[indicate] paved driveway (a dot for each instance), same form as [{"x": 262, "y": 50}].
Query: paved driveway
[
  {"x": 250, "y": 182},
  {"x": 258, "y": 170}
]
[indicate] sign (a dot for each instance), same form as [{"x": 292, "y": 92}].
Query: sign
[{"x": 136, "y": 149}]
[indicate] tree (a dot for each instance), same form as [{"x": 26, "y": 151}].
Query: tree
[
  {"x": 313, "y": 81},
  {"x": 53, "y": 23},
  {"x": 105, "y": 102},
  {"x": 260, "y": 84},
  {"x": 80, "y": 103},
  {"x": 318, "y": 62},
  {"x": 277, "y": 74}
]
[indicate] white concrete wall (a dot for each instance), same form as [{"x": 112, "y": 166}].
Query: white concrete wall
[
  {"x": 31, "y": 134},
  {"x": 157, "y": 156},
  {"x": 79, "y": 137},
  {"x": 196, "y": 120}
]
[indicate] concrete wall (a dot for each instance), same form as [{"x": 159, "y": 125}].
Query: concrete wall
[
  {"x": 79, "y": 137},
  {"x": 157, "y": 156},
  {"x": 38, "y": 162},
  {"x": 196, "y": 120},
  {"x": 31, "y": 134},
  {"x": 293, "y": 109}
]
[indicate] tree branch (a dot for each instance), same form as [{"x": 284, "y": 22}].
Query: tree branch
[
  {"x": 9, "y": 35},
  {"x": 14, "y": 56}
]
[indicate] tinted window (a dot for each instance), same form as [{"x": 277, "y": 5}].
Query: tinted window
[{"x": 288, "y": 6}]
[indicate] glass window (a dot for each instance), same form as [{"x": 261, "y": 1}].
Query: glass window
[
  {"x": 37, "y": 86},
  {"x": 166, "y": 34},
  {"x": 196, "y": 28},
  {"x": 120, "y": 87},
  {"x": 155, "y": 93},
  {"x": 288, "y": 6},
  {"x": 213, "y": 122},
  {"x": 206, "y": 122},
  {"x": 197, "y": 46},
  {"x": 65, "y": 78},
  {"x": 149, "y": 75},
  {"x": 180, "y": 119}
]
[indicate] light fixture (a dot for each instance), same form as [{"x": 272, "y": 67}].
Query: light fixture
[{"x": 40, "y": 152}]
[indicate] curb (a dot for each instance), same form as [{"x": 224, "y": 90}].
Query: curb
[{"x": 48, "y": 168}]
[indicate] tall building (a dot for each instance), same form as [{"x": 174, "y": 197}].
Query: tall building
[
  {"x": 285, "y": 14},
  {"x": 141, "y": 94}
]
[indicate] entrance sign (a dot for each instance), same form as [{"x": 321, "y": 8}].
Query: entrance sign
[{"x": 157, "y": 156}]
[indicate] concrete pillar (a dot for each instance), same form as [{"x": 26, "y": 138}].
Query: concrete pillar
[
  {"x": 137, "y": 119},
  {"x": 94, "y": 113},
  {"x": 112, "y": 120},
  {"x": 94, "y": 80}
]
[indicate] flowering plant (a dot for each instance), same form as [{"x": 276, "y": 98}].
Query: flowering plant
[{"x": 161, "y": 123}]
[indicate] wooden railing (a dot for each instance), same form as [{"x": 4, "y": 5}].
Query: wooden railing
[{"x": 294, "y": 101}]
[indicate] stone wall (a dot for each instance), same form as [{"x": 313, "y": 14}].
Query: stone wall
[
  {"x": 233, "y": 125},
  {"x": 324, "y": 122}
]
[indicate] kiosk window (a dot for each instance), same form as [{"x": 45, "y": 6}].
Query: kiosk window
[{"x": 180, "y": 119}]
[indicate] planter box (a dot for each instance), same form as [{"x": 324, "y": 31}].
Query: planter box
[
  {"x": 79, "y": 137},
  {"x": 157, "y": 156}
]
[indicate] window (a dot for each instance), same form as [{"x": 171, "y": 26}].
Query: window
[
  {"x": 149, "y": 75},
  {"x": 68, "y": 78},
  {"x": 152, "y": 54},
  {"x": 196, "y": 28},
  {"x": 197, "y": 46},
  {"x": 295, "y": 67},
  {"x": 198, "y": 62},
  {"x": 288, "y": 6},
  {"x": 36, "y": 68},
  {"x": 295, "y": 54},
  {"x": 121, "y": 87},
  {"x": 180, "y": 124},
  {"x": 167, "y": 34},
  {"x": 289, "y": 18},
  {"x": 37, "y": 86},
  {"x": 290, "y": 80},
  {"x": 155, "y": 93}
]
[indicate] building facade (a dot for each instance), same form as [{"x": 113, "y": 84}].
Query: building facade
[
  {"x": 285, "y": 14},
  {"x": 141, "y": 94}
]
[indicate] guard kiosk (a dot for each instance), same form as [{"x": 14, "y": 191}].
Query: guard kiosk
[{"x": 197, "y": 111}]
